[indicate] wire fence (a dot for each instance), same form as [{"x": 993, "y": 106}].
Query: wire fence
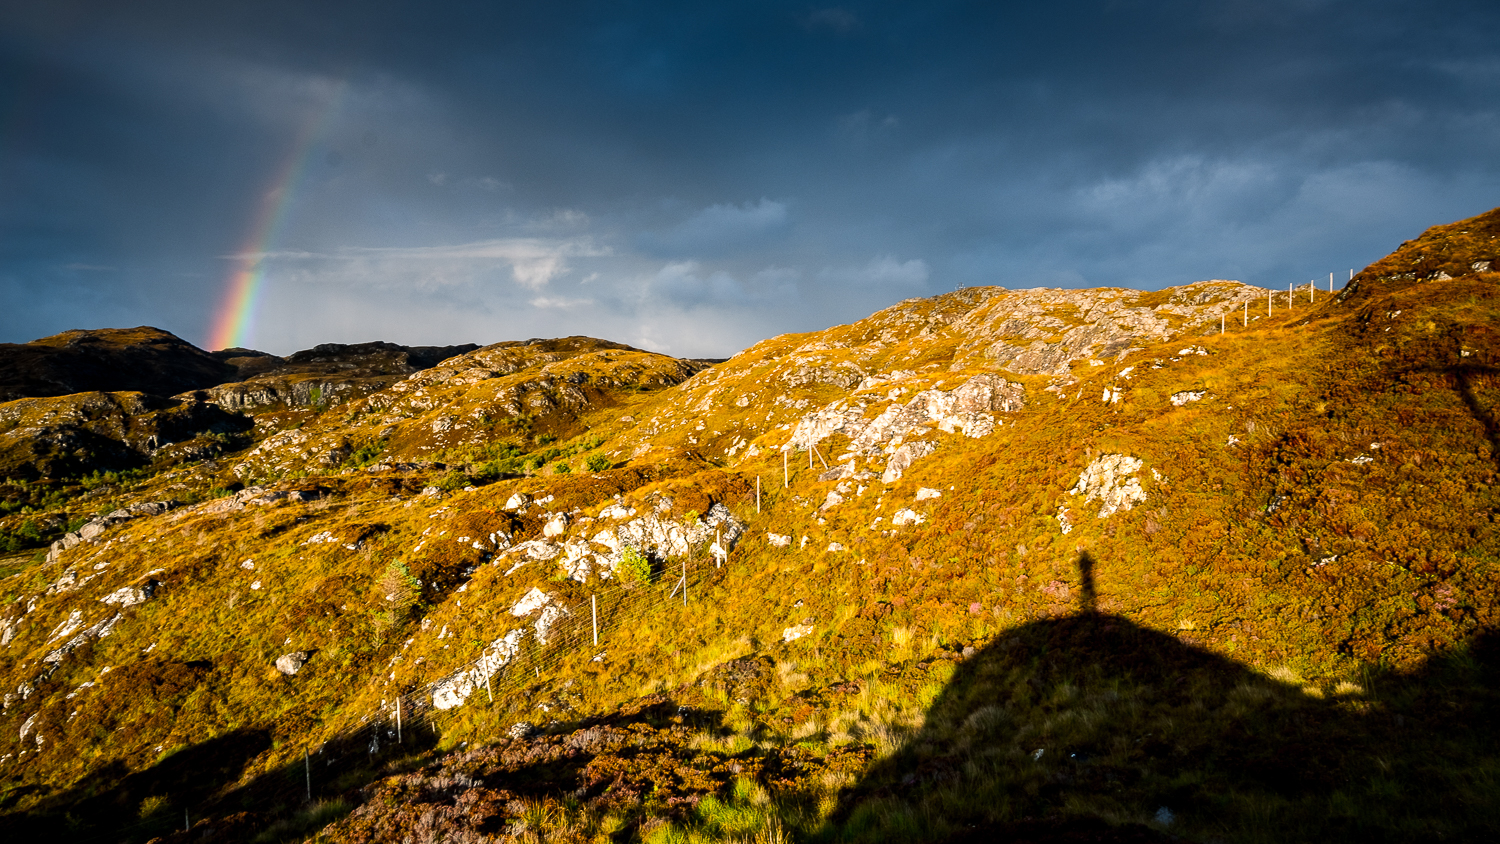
[{"x": 410, "y": 723}]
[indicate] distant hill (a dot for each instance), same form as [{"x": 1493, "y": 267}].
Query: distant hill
[{"x": 144, "y": 359}]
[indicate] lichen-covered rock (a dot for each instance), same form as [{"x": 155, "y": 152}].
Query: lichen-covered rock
[
  {"x": 907, "y": 516},
  {"x": 1111, "y": 480},
  {"x": 795, "y": 632},
  {"x": 290, "y": 664},
  {"x": 902, "y": 459}
]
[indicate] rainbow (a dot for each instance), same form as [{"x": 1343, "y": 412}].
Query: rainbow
[{"x": 234, "y": 321}]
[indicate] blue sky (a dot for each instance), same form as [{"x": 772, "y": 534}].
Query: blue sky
[{"x": 692, "y": 177}]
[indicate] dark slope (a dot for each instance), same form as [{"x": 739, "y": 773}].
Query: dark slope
[{"x": 144, "y": 359}]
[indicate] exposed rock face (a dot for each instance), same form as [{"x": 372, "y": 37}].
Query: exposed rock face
[
  {"x": 457, "y": 403},
  {"x": 84, "y": 432},
  {"x": 1111, "y": 480},
  {"x": 966, "y": 408},
  {"x": 885, "y": 372},
  {"x": 902, "y": 459},
  {"x": 94, "y": 528},
  {"x": 324, "y": 375}
]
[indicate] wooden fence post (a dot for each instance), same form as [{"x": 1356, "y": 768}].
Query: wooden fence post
[
  {"x": 398, "y": 718},
  {"x": 594, "y": 611},
  {"x": 757, "y": 495}
]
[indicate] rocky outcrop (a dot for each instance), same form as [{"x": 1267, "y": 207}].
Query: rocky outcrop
[
  {"x": 324, "y": 375},
  {"x": 1110, "y": 480},
  {"x": 969, "y": 408},
  {"x": 94, "y": 528},
  {"x": 86, "y": 432}
]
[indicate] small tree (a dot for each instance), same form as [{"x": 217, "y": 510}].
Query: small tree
[{"x": 635, "y": 566}]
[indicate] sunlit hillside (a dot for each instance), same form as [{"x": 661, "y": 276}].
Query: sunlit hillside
[{"x": 1206, "y": 563}]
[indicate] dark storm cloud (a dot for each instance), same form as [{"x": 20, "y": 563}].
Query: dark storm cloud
[{"x": 697, "y": 176}]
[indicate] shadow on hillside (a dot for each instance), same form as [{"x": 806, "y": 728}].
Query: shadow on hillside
[
  {"x": 114, "y": 803},
  {"x": 1464, "y": 377},
  {"x": 1092, "y": 728},
  {"x": 204, "y": 781}
]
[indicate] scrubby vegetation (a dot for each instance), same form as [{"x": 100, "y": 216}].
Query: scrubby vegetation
[{"x": 1040, "y": 565}]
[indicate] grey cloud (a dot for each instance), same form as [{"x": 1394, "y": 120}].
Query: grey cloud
[
  {"x": 799, "y": 165},
  {"x": 719, "y": 229}
]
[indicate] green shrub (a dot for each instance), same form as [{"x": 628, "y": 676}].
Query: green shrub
[
  {"x": 598, "y": 462},
  {"x": 562, "y": 468},
  {"x": 366, "y": 453},
  {"x": 635, "y": 566}
]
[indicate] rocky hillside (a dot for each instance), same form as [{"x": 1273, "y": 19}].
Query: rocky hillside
[{"x": 1202, "y": 563}]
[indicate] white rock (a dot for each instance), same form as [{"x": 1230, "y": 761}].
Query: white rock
[
  {"x": 516, "y": 502},
  {"x": 454, "y": 690},
  {"x": 796, "y": 632},
  {"x": 1110, "y": 480},
  {"x": 125, "y": 596},
  {"x": 291, "y": 663},
  {"x": 531, "y": 602},
  {"x": 834, "y": 547},
  {"x": 778, "y": 540},
  {"x": 556, "y": 526},
  {"x": 607, "y": 539},
  {"x": 72, "y": 623},
  {"x": 578, "y": 560},
  {"x": 1186, "y": 396},
  {"x": 902, "y": 459},
  {"x": 549, "y": 615},
  {"x": 538, "y": 549},
  {"x": 907, "y": 516},
  {"x": 833, "y": 500},
  {"x": 923, "y": 493}
]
